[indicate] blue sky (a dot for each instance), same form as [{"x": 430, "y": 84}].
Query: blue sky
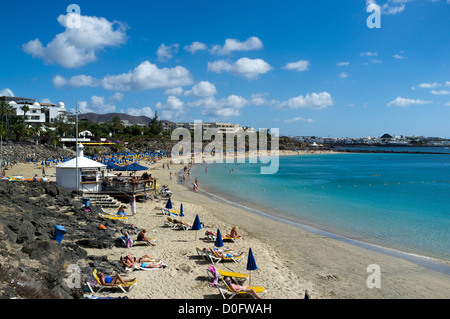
[{"x": 305, "y": 67}]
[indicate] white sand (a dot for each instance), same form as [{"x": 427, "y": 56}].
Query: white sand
[{"x": 290, "y": 259}]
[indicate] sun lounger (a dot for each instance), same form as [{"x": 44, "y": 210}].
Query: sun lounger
[
  {"x": 225, "y": 290},
  {"x": 170, "y": 222},
  {"x": 115, "y": 217},
  {"x": 207, "y": 253},
  {"x": 212, "y": 236},
  {"x": 109, "y": 215},
  {"x": 126, "y": 239},
  {"x": 175, "y": 213},
  {"x": 99, "y": 285},
  {"x": 216, "y": 258},
  {"x": 215, "y": 274},
  {"x": 176, "y": 224}
]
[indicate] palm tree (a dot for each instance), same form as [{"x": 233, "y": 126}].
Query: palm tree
[
  {"x": 25, "y": 108},
  {"x": 116, "y": 124}
]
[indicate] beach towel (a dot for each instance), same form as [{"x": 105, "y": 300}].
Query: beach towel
[
  {"x": 128, "y": 241},
  {"x": 215, "y": 274}
]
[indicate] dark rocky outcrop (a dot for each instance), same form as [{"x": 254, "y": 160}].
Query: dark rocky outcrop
[{"x": 32, "y": 263}]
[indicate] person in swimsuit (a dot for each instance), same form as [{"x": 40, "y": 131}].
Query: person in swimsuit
[
  {"x": 145, "y": 262},
  {"x": 121, "y": 211},
  {"x": 238, "y": 288},
  {"x": 141, "y": 237},
  {"x": 234, "y": 233},
  {"x": 113, "y": 280}
]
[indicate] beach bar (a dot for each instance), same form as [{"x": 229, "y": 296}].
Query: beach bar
[{"x": 90, "y": 173}]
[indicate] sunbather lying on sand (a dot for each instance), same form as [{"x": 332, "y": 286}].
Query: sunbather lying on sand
[{"x": 145, "y": 262}]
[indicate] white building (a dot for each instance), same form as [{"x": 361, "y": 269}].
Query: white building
[
  {"x": 38, "y": 113},
  {"x": 90, "y": 173}
]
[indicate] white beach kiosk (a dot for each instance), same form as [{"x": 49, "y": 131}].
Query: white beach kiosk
[{"x": 90, "y": 173}]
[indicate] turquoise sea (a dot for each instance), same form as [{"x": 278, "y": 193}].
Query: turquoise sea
[{"x": 396, "y": 201}]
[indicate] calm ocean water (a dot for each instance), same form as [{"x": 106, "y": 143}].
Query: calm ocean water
[{"x": 398, "y": 201}]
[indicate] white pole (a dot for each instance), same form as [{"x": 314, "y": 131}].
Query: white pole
[{"x": 76, "y": 146}]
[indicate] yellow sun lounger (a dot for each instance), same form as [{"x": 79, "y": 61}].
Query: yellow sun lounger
[
  {"x": 115, "y": 217},
  {"x": 128, "y": 285},
  {"x": 212, "y": 236},
  {"x": 165, "y": 211},
  {"x": 236, "y": 276},
  {"x": 226, "y": 290},
  {"x": 215, "y": 257}
]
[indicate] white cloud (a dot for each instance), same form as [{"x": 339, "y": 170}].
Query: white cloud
[
  {"x": 195, "y": 46},
  {"x": 175, "y": 91},
  {"x": 429, "y": 85},
  {"x": 400, "y": 101},
  {"x": 46, "y": 100},
  {"x": 82, "y": 80},
  {"x": 398, "y": 56},
  {"x": 299, "y": 66},
  {"x": 6, "y": 92},
  {"x": 391, "y": 7},
  {"x": 252, "y": 43},
  {"x": 223, "y": 108},
  {"x": 259, "y": 99},
  {"x": 172, "y": 110},
  {"x": 447, "y": 83},
  {"x": 297, "y": 119},
  {"x": 369, "y": 54},
  {"x": 76, "y": 47},
  {"x": 145, "y": 111},
  {"x": 165, "y": 52},
  {"x": 249, "y": 68},
  {"x": 440, "y": 92},
  {"x": 97, "y": 104},
  {"x": 343, "y": 75},
  {"x": 117, "y": 97},
  {"x": 145, "y": 76},
  {"x": 202, "y": 89},
  {"x": 317, "y": 101},
  {"x": 59, "y": 81},
  {"x": 343, "y": 63}
]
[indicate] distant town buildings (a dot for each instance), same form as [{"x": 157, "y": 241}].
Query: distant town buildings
[
  {"x": 222, "y": 127},
  {"x": 385, "y": 140},
  {"x": 37, "y": 113}
]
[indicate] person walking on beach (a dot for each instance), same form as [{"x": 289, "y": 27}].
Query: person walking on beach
[
  {"x": 195, "y": 185},
  {"x": 133, "y": 205}
]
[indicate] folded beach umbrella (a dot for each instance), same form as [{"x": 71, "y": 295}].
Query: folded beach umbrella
[
  {"x": 169, "y": 204},
  {"x": 181, "y": 211},
  {"x": 251, "y": 263},
  {"x": 196, "y": 225},
  {"x": 219, "y": 241}
]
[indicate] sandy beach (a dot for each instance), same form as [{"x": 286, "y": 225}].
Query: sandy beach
[{"x": 290, "y": 259}]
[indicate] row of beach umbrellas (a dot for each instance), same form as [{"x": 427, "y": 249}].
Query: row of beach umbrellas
[{"x": 197, "y": 225}]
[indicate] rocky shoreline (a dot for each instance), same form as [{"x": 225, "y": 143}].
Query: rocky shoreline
[
  {"x": 22, "y": 152},
  {"x": 32, "y": 264}
]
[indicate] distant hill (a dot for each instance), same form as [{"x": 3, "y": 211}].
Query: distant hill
[{"x": 103, "y": 118}]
